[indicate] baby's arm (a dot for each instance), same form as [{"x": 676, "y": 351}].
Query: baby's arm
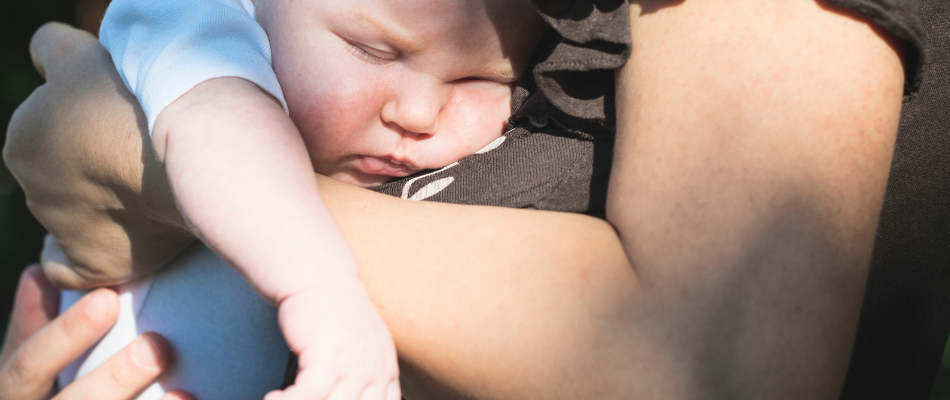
[
  {"x": 242, "y": 177},
  {"x": 243, "y": 180}
]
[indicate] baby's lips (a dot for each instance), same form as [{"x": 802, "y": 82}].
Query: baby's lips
[{"x": 384, "y": 166}]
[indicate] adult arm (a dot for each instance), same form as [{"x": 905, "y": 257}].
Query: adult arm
[
  {"x": 755, "y": 139},
  {"x": 38, "y": 344}
]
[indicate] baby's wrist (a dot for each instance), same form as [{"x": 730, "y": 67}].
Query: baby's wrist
[{"x": 331, "y": 289}]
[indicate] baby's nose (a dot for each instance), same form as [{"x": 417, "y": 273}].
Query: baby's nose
[{"x": 415, "y": 107}]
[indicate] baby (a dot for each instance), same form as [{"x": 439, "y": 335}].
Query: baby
[{"x": 375, "y": 90}]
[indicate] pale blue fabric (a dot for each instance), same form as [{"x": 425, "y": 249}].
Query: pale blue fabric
[
  {"x": 227, "y": 341},
  {"x": 164, "y": 48}
]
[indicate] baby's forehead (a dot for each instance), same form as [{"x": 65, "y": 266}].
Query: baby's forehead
[
  {"x": 511, "y": 28},
  {"x": 447, "y": 16}
]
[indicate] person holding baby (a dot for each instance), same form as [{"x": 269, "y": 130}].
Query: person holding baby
[{"x": 744, "y": 199}]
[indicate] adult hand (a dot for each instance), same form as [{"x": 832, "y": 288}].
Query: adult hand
[
  {"x": 39, "y": 345},
  {"x": 113, "y": 217}
]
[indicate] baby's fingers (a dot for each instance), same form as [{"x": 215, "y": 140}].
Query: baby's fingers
[
  {"x": 382, "y": 391},
  {"x": 350, "y": 390},
  {"x": 394, "y": 391},
  {"x": 343, "y": 390},
  {"x": 307, "y": 386}
]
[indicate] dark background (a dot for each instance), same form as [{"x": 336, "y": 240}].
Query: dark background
[{"x": 20, "y": 235}]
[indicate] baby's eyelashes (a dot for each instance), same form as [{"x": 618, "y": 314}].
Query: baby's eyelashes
[
  {"x": 370, "y": 54},
  {"x": 498, "y": 75},
  {"x": 479, "y": 78}
]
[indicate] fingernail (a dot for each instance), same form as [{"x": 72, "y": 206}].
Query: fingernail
[
  {"x": 98, "y": 304},
  {"x": 146, "y": 354}
]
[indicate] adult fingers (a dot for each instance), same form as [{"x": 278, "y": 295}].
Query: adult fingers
[
  {"x": 55, "y": 39},
  {"x": 35, "y": 304},
  {"x": 126, "y": 373},
  {"x": 55, "y": 264},
  {"x": 53, "y": 258},
  {"x": 32, "y": 367}
]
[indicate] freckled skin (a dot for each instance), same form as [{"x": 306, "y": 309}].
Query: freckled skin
[{"x": 420, "y": 82}]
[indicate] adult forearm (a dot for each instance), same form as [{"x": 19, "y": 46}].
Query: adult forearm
[
  {"x": 492, "y": 302},
  {"x": 748, "y": 179}
]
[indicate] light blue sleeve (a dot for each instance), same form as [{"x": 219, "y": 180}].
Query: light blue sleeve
[{"x": 163, "y": 48}]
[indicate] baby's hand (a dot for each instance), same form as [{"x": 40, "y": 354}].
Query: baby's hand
[{"x": 345, "y": 350}]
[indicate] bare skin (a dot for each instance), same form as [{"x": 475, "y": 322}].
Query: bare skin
[
  {"x": 755, "y": 212},
  {"x": 745, "y": 207}
]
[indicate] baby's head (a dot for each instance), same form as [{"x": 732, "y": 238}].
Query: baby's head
[{"x": 383, "y": 88}]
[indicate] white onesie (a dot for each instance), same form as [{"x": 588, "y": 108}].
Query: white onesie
[
  {"x": 226, "y": 337},
  {"x": 164, "y": 48}
]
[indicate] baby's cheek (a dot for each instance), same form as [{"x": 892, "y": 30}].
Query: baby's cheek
[
  {"x": 331, "y": 108},
  {"x": 495, "y": 95},
  {"x": 470, "y": 122},
  {"x": 480, "y": 113}
]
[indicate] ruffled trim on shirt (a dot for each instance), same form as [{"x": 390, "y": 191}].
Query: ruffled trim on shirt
[{"x": 572, "y": 82}]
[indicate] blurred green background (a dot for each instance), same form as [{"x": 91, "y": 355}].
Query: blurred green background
[{"x": 20, "y": 234}]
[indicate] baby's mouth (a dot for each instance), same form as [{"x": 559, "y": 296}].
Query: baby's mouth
[{"x": 384, "y": 166}]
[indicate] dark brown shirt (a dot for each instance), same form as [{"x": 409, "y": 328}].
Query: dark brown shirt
[{"x": 906, "y": 315}]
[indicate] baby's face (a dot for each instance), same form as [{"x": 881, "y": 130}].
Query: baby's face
[{"x": 381, "y": 89}]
